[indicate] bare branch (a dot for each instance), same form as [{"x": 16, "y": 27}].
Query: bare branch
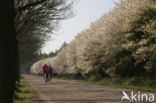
[{"x": 30, "y": 5}]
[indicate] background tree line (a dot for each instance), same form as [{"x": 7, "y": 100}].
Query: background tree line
[
  {"x": 52, "y": 53},
  {"x": 119, "y": 47}
]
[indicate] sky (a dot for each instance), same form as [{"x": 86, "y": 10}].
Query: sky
[{"x": 86, "y": 12}]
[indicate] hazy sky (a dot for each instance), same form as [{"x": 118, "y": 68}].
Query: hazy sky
[{"x": 87, "y": 11}]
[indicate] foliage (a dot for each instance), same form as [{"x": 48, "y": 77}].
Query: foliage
[
  {"x": 35, "y": 21},
  {"x": 121, "y": 44}
]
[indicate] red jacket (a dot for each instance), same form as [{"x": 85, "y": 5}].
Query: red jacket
[
  {"x": 45, "y": 68},
  {"x": 50, "y": 69}
]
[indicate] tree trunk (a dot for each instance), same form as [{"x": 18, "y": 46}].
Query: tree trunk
[{"x": 9, "y": 70}]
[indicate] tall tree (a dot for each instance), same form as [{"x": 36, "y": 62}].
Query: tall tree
[
  {"x": 35, "y": 20},
  {"x": 26, "y": 24},
  {"x": 8, "y": 52}
]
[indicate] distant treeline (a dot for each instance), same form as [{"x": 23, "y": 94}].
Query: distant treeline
[
  {"x": 120, "y": 46},
  {"x": 52, "y": 53}
]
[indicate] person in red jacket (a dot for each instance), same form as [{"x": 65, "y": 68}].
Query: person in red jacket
[
  {"x": 45, "y": 68},
  {"x": 46, "y": 71},
  {"x": 50, "y": 71}
]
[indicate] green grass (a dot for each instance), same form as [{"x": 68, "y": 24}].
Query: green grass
[
  {"x": 25, "y": 101},
  {"x": 119, "y": 85},
  {"x": 25, "y": 94}
]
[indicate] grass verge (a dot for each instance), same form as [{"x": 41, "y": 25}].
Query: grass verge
[
  {"x": 119, "y": 85},
  {"x": 25, "y": 93}
]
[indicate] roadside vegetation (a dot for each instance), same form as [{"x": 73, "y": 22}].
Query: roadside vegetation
[
  {"x": 120, "y": 85},
  {"x": 24, "y": 93},
  {"x": 120, "y": 47}
]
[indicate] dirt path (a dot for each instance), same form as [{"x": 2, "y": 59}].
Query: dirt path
[{"x": 69, "y": 91}]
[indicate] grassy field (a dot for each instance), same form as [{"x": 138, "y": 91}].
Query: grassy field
[{"x": 25, "y": 93}]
